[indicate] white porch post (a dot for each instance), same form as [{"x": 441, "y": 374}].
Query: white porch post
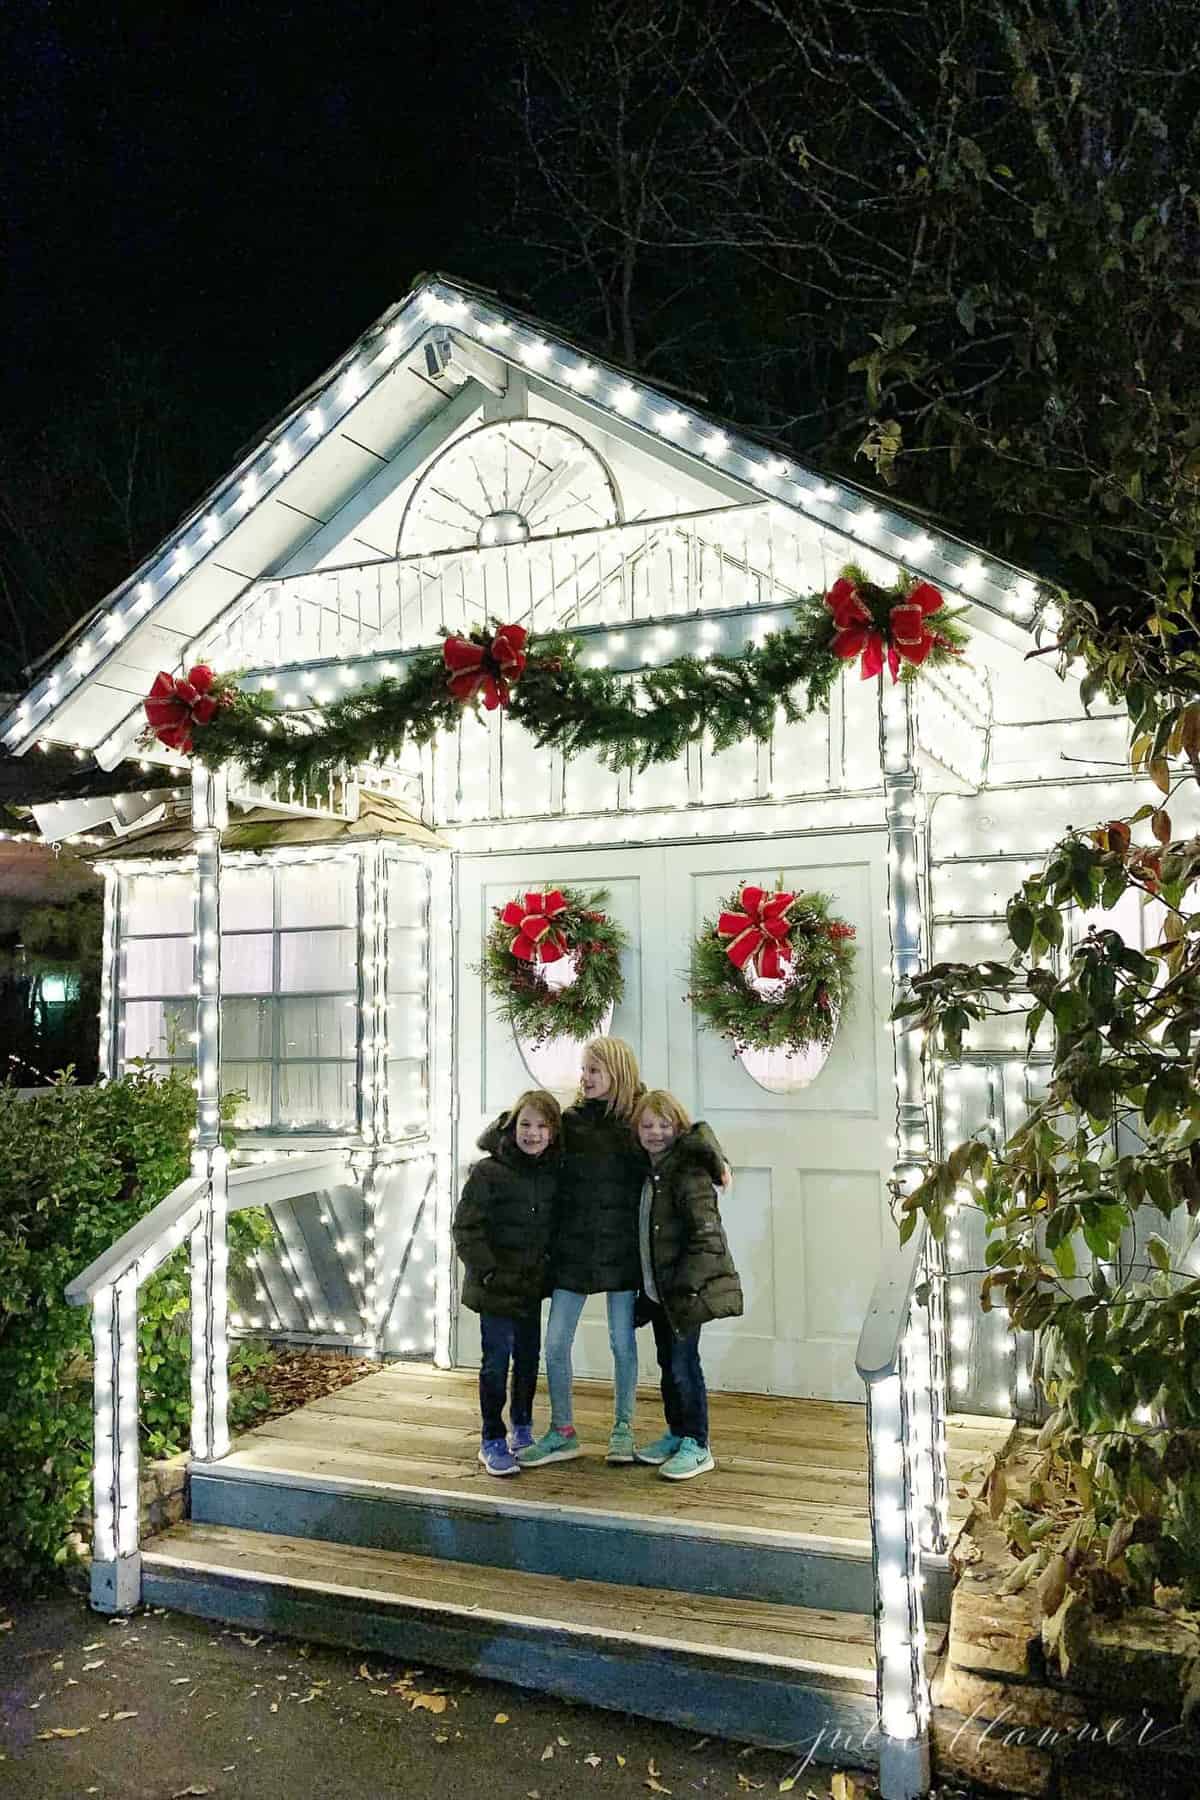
[
  {"x": 906, "y": 1414},
  {"x": 116, "y": 1581},
  {"x": 209, "y": 1249}
]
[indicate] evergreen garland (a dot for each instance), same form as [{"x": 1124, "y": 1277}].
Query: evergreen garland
[
  {"x": 818, "y": 982},
  {"x": 630, "y": 721},
  {"x": 537, "y": 1011}
]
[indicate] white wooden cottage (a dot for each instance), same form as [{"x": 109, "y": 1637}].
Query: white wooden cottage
[{"x": 320, "y": 951}]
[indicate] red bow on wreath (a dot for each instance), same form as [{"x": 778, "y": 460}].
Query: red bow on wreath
[
  {"x": 488, "y": 669},
  {"x": 176, "y": 704},
  {"x": 907, "y": 638},
  {"x": 759, "y": 933},
  {"x": 536, "y": 939}
]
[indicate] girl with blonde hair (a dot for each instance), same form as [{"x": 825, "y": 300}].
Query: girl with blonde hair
[{"x": 595, "y": 1246}]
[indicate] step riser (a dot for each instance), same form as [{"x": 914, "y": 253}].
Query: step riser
[
  {"x": 695, "y": 1692},
  {"x": 614, "y": 1550}
]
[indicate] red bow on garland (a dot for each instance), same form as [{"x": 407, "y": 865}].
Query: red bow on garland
[
  {"x": 488, "y": 669},
  {"x": 176, "y": 704},
  {"x": 907, "y": 634},
  {"x": 536, "y": 939},
  {"x": 759, "y": 933}
]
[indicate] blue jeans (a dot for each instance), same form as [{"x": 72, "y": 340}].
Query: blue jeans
[
  {"x": 684, "y": 1395},
  {"x": 504, "y": 1341},
  {"x": 565, "y": 1308}
]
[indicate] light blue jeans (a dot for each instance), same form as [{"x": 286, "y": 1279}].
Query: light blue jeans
[{"x": 565, "y": 1309}]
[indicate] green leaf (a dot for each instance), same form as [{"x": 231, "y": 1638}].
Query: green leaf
[{"x": 1158, "y": 1252}]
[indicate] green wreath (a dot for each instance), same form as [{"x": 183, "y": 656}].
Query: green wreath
[
  {"x": 629, "y": 722},
  {"x": 780, "y": 937},
  {"x": 537, "y": 932}
]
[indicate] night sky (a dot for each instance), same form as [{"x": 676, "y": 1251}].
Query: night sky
[{"x": 242, "y": 188}]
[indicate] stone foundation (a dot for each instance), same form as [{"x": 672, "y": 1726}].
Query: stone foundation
[
  {"x": 164, "y": 1496},
  {"x": 1075, "y": 1705}
]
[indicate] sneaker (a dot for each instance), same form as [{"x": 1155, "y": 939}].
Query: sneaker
[
  {"x": 552, "y": 1446},
  {"x": 660, "y": 1451},
  {"x": 621, "y": 1447},
  {"x": 497, "y": 1458},
  {"x": 520, "y": 1438},
  {"x": 690, "y": 1459}
]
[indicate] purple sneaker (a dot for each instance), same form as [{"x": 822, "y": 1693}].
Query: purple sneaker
[
  {"x": 520, "y": 1438},
  {"x": 497, "y": 1458}
]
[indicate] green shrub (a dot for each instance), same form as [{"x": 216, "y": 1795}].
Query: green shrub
[{"x": 78, "y": 1167}]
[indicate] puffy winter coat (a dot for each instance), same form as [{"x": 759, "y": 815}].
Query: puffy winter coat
[
  {"x": 503, "y": 1226},
  {"x": 595, "y": 1242},
  {"x": 693, "y": 1270}
]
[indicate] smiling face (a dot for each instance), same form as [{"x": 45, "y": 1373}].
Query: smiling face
[
  {"x": 532, "y": 1132},
  {"x": 594, "y": 1079},
  {"x": 655, "y": 1134}
]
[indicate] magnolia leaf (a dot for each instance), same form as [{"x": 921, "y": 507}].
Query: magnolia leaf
[
  {"x": 434, "y": 1703},
  {"x": 997, "y": 1492},
  {"x": 1021, "y": 1576},
  {"x": 68, "y": 1731},
  {"x": 1159, "y": 771},
  {"x": 656, "y": 1787},
  {"x": 117, "y": 1717},
  {"x": 1052, "y": 1585}
]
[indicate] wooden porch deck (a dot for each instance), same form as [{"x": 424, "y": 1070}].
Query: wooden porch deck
[
  {"x": 740, "y": 1603},
  {"x": 785, "y": 1467}
]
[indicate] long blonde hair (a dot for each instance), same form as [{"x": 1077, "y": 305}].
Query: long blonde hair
[{"x": 616, "y": 1056}]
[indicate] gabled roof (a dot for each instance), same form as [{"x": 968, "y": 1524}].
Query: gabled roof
[{"x": 376, "y": 400}]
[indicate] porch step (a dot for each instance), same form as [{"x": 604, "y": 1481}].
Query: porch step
[
  {"x": 567, "y": 1522},
  {"x": 779, "y": 1675}
]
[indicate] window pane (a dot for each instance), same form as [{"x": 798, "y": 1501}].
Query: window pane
[
  {"x": 254, "y": 1081},
  {"x": 406, "y": 961},
  {"x": 246, "y": 1028},
  {"x": 317, "y": 1094},
  {"x": 156, "y": 903},
  {"x": 407, "y": 1026},
  {"x": 246, "y": 903},
  {"x": 316, "y": 961},
  {"x": 325, "y": 1027},
  {"x": 157, "y": 966},
  {"x": 159, "y": 1029},
  {"x": 319, "y": 893},
  {"x": 246, "y": 964},
  {"x": 408, "y": 1109},
  {"x": 407, "y": 887}
]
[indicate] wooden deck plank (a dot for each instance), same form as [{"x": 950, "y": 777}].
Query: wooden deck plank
[
  {"x": 653, "y": 1499},
  {"x": 836, "y": 1643}
]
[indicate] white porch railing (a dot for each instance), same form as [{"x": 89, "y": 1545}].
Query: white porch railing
[
  {"x": 110, "y": 1285},
  {"x": 901, "y": 1360}
]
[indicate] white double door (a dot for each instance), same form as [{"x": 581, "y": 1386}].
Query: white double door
[{"x": 806, "y": 1214}]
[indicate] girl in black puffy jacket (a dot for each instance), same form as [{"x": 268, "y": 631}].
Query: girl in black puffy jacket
[{"x": 502, "y": 1230}]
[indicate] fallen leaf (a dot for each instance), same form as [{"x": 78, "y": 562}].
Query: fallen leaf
[
  {"x": 745, "y": 1783},
  {"x": 652, "y": 1769},
  {"x": 56, "y": 1666},
  {"x": 547, "y": 1753},
  {"x": 117, "y": 1717},
  {"x": 6, "y": 1624},
  {"x": 656, "y": 1787},
  {"x": 64, "y": 1731},
  {"x": 251, "y": 1643},
  {"x": 180, "y": 1680},
  {"x": 379, "y": 1690},
  {"x": 787, "y": 1784},
  {"x": 593, "y": 1761},
  {"x": 843, "y": 1786},
  {"x": 620, "y": 1762},
  {"x": 104, "y": 1715},
  {"x": 98, "y": 1664},
  {"x": 96, "y": 1646},
  {"x": 182, "y": 1793},
  {"x": 434, "y": 1703},
  {"x": 565, "y": 1742},
  {"x": 699, "y": 1744},
  {"x": 500, "y": 1719},
  {"x": 274, "y": 1706},
  {"x": 533, "y": 1795},
  {"x": 441, "y": 1737}
]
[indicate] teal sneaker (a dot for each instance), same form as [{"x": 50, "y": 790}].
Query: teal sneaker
[
  {"x": 660, "y": 1451},
  {"x": 552, "y": 1446},
  {"x": 621, "y": 1447},
  {"x": 690, "y": 1459}
]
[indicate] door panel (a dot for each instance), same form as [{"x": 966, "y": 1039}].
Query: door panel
[{"x": 806, "y": 1214}]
